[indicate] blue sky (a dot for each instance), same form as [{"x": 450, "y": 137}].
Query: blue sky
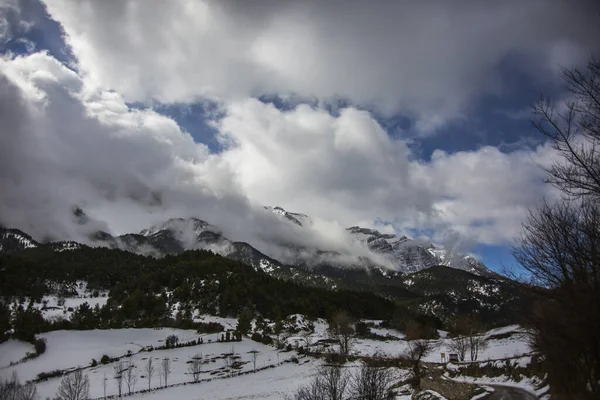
[{"x": 209, "y": 84}]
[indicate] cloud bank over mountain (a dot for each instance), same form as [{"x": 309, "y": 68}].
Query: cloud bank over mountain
[{"x": 86, "y": 134}]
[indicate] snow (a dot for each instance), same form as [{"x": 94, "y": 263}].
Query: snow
[
  {"x": 54, "y": 311},
  {"x": 274, "y": 384},
  {"x": 68, "y": 246},
  {"x": 388, "y": 332},
  {"x": 13, "y": 351},
  {"x": 267, "y": 266},
  {"x": 513, "y": 346},
  {"x": 527, "y": 384},
  {"x": 26, "y": 243},
  {"x": 505, "y": 329},
  {"x": 68, "y": 349},
  {"x": 435, "y": 394},
  {"x": 228, "y": 323}
]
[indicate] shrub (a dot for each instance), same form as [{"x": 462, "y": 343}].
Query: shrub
[
  {"x": 257, "y": 337},
  {"x": 42, "y": 376},
  {"x": 105, "y": 359},
  {"x": 172, "y": 340},
  {"x": 40, "y": 346},
  {"x": 266, "y": 339},
  {"x": 94, "y": 362}
]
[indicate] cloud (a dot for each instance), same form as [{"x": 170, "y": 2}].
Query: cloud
[
  {"x": 64, "y": 145},
  {"x": 428, "y": 60},
  {"x": 347, "y": 169}
]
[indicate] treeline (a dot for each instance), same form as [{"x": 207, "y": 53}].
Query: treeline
[{"x": 143, "y": 291}]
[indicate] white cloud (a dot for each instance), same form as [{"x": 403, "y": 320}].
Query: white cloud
[
  {"x": 427, "y": 59},
  {"x": 347, "y": 169},
  {"x": 64, "y": 144},
  {"x": 67, "y": 144}
]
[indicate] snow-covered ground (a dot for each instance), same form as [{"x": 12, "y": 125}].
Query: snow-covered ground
[
  {"x": 274, "y": 384},
  {"x": 70, "y": 349},
  {"x": 55, "y": 307},
  {"x": 13, "y": 351},
  {"x": 51, "y": 310},
  {"x": 528, "y": 384}
]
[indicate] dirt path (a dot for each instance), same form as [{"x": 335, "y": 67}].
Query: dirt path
[{"x": 509, "y": 393}]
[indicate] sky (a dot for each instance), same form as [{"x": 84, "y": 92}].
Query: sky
[{"x": 408, "y": 117}]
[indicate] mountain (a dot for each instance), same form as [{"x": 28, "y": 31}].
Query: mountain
[
  {"x": 384, "y": 253},
  {"x": 296, "y": 218},
  {"x": 13, "y": 240},
  {"x": 412, "y": 255},
  {"x": 178, "y": 235},
  {"x": 398, "y": 254},
  {"x": 439, "y": 291}
]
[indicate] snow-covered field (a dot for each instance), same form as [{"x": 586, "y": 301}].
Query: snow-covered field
[
  {"x": 275, "y": 384},
  {"x": 512, "y": 346},
  {"x": 55, "y": 307},
  {"x": 13, "y": 351},
  {"x": 71, "y": 349}
]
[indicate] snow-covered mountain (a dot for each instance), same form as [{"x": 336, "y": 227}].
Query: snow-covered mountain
[
  {"x": 414, "y": 255},
  {"x": 385, "y": 254},
  {"x": 404, "y": 255},
  {"x": 12, "y": 240}
]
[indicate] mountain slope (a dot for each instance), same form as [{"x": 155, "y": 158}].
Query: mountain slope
[
  {"x": 13, "y": 240},
  {"x": 439, "y": 291},
  {"x": 411, "y": 255}
]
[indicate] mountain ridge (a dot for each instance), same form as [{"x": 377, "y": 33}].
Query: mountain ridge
[{"x": 380, "y": 250}]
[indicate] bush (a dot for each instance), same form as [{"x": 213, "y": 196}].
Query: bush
[
  {"x": 105, "y": 359},
  {"x": 42, "y": 376},
  {"x": 362, "y": 329},
  {"x": 94, "y": 362},
  {"x": 257, "y": 337},
  {"x": 172, "y": 341},
  {"x": 40, "y": 346},
  {"x": 267, "y": 340}
]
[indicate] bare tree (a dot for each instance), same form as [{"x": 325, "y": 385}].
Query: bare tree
[
  {"x": 477, "y": 344},
  {"x": 254, "y": 356},
  {"x": 560, "y": 248},
  {"x": 28, "y": 392},
  {"x": 118, "y": 372},
  {"x": 460, "y": 346},
  {"x": 312, "y": 391},
  {"x": 195, "y": 367},
  {"x": 470, "y": 339},
  {"x": 341, "y": 328},
  {"x": 281, "y": 335},
  {"x": 74, "y": 386},
  {"x": 560, "y": 243},
  {"x": 149, "y": 368},
  {"x": 574, "y": 131},
  {"x": 334, "y": 380},
  {"x": 307, "y": 336},
  {"x": 165, "y": 370},
  {"x": 12, "y": 389},
  {"x": 417, "y": 349},
  {"x": 331, "y": 383},
  {"x": 372, "y": 382},
  {"x": 130, "y": 377},
  {"x": 104, "y": 384}
]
